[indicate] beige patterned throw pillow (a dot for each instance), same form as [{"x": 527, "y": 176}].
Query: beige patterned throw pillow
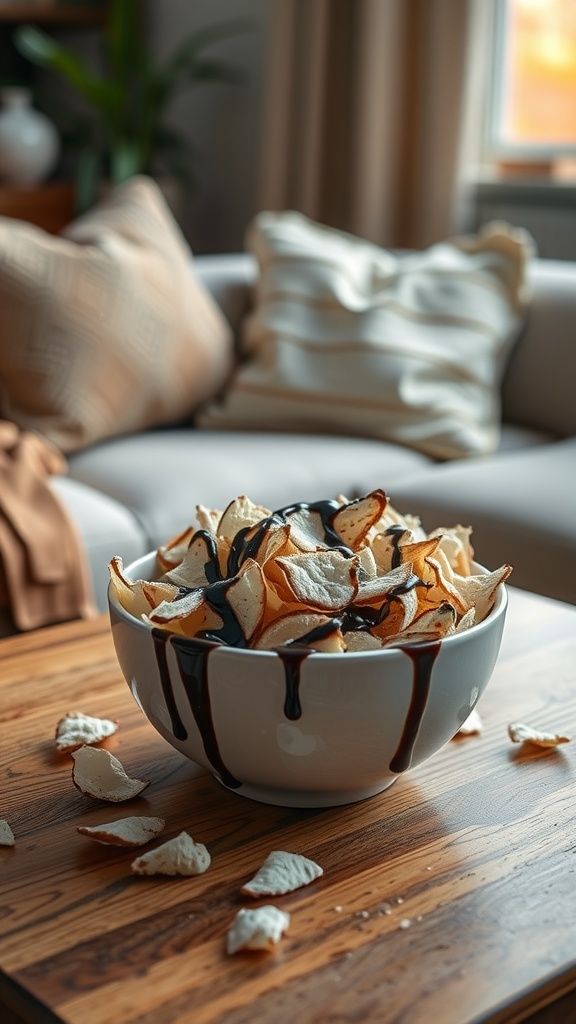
[
  {"x": 104, "y": 329},
  {"x": 348, "y": 338}
]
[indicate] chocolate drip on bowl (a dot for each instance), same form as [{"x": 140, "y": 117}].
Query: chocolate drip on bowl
[{"x": 423, "y": 657}]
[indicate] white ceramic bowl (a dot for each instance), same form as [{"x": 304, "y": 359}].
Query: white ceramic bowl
[{"x": 306, "y": 729}]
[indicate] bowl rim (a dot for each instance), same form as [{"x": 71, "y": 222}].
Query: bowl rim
[{"x": 498, "y": 609}]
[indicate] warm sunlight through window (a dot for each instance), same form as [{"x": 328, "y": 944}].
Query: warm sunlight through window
[{"x": 534, "y": 111}]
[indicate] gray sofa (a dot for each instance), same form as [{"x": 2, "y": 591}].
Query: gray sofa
[{"x": 131, "y": 494}]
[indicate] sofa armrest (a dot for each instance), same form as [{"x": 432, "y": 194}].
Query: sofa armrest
[
  {"x": 230, "y": 277},
  {"x": 538, "y": 387}
]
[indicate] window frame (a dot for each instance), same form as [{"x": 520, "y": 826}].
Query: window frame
[{"x": 498, "y": 150}]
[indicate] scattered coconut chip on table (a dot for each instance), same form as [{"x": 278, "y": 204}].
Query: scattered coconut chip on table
[
  {"x": 178, "y": 856},
  {"x": 133, "y": 831},
  {"x": 282, "y": 872},
  {"x": 258, "y": 929},
  {"x": 520, "y": 733},
  {"x": 471, "y": 725},
  {"x": 77, "y": 730},
  {"x": 6, "y": 834},
  {"x": 97, "y": 773}
]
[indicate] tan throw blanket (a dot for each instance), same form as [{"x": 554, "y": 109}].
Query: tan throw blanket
[{"x": 43, "y": 573}]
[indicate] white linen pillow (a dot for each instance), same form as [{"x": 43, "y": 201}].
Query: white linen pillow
[{"x": 348, "y": 338}]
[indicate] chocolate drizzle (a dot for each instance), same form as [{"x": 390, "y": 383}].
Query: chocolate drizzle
[
  {"x": 159, "y": 638},
  {"x": 423, "y": 657},
  {"x": 192, "y": 656},
  {"x": 292, "y": 658},
  {"x": 396, "y": 532}
]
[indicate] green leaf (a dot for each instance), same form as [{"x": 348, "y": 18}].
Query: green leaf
[
  {"x": 38, "y": 47},
  {"x": 122, "y": 39},
  {"x": 126, "y": 160},
  {"x": 87, "y": 178}
]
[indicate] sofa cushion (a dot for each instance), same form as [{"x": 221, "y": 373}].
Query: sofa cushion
[
  {"x": 161, "y": 476},
  {"x": 105, "y": 527},
  {"x": 349, "y": 338},
  {"x": 538, "y": 388},
  {"x": 105, "y": 329},
  {"x": 521, "y": 508}
]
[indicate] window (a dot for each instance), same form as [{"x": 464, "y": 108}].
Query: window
[{"x": 533, "y": 109}]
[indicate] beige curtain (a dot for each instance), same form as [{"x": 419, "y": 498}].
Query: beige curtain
[{"x": 367, "y": 118}]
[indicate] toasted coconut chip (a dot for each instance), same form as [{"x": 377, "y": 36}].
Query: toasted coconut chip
[
  {"x": 354, "y": 521},
  {"x": 178, "y": 856},
  {"x": 439, "y": 577},
  {"x": 472, "y": 725},
  {"x": 239, "y": 514},
  {"x": 520, "y": 733},
  {"x": 418, "y": 552},
  {"x": 128, "y": 593},
  {"x": 266, "y": 543},
  {"x": 282, "y": 872},
  {"x": 437, "y": 623},
  {"x": 275, "y": 541},
  {"x": 208, "y": 518},
  {"x": 172, "y": 553},
  {"x": 77, "y": 729},
  {"x": 367, "y": 563},
  {"x": 384, "y": 547},
  {"x": 137, "y": 596},
  {"x": 191, "y": 572},
  {"x": 247, "y": 597},
  {"x": 327, "y": 582},
  {"x": 6, "y": 834},
  {"x": 134, "y": 831},
  {"x": 467, "y": 620},
  {"x": 154, "y": 592},
  {"x": 409, "y": 523},
  {"x": 403, "y": 639},
  {"x": 291, "y": 626},
  {"x": 327, "y": 639},
  {"x": 375, "y": 591},
  {"x": 97, "y": 773},
  {"x": 190, "y": 614},
  {"x": 402, "y": 610},
  {"x": 306, "y": 529},
  {"x": 179, "y": 609},
  {"x": 362, "y": 641},
  {"x": 480, "y": 591},
  {"x": 455, "y": 543},
  {"x": 260, "y": 929}
]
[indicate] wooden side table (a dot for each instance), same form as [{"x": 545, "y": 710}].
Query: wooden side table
[{"x": 50, "y": 206}]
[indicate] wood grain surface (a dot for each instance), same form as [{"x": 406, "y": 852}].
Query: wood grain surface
[{"x": 449, "y": 898}]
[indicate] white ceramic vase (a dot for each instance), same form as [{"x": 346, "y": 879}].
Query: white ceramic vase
[{"x": 29, "y": 141}]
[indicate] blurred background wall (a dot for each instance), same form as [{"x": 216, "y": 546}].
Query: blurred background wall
[{"x": 222, "y": 122}]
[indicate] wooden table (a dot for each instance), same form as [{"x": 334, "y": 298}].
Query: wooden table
[{"x": 450, "y": 898}]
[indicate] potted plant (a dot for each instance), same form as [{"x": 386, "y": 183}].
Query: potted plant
[{"x": 125, "y": 133}]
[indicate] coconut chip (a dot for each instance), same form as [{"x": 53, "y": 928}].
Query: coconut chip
[
  {"x": 471, "y": 725},
  {"x": 135, "y": 831},
  {"x": 259, "y": 928},
  {"x": 6, "y": 834},
  {"x": 178, "y": 856},
  {"x": 97, "y": 773},
  {"x": 77, "y": 729},
  {"x": 520, "y": 733},
  {"x": 282, "y": 872}
]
